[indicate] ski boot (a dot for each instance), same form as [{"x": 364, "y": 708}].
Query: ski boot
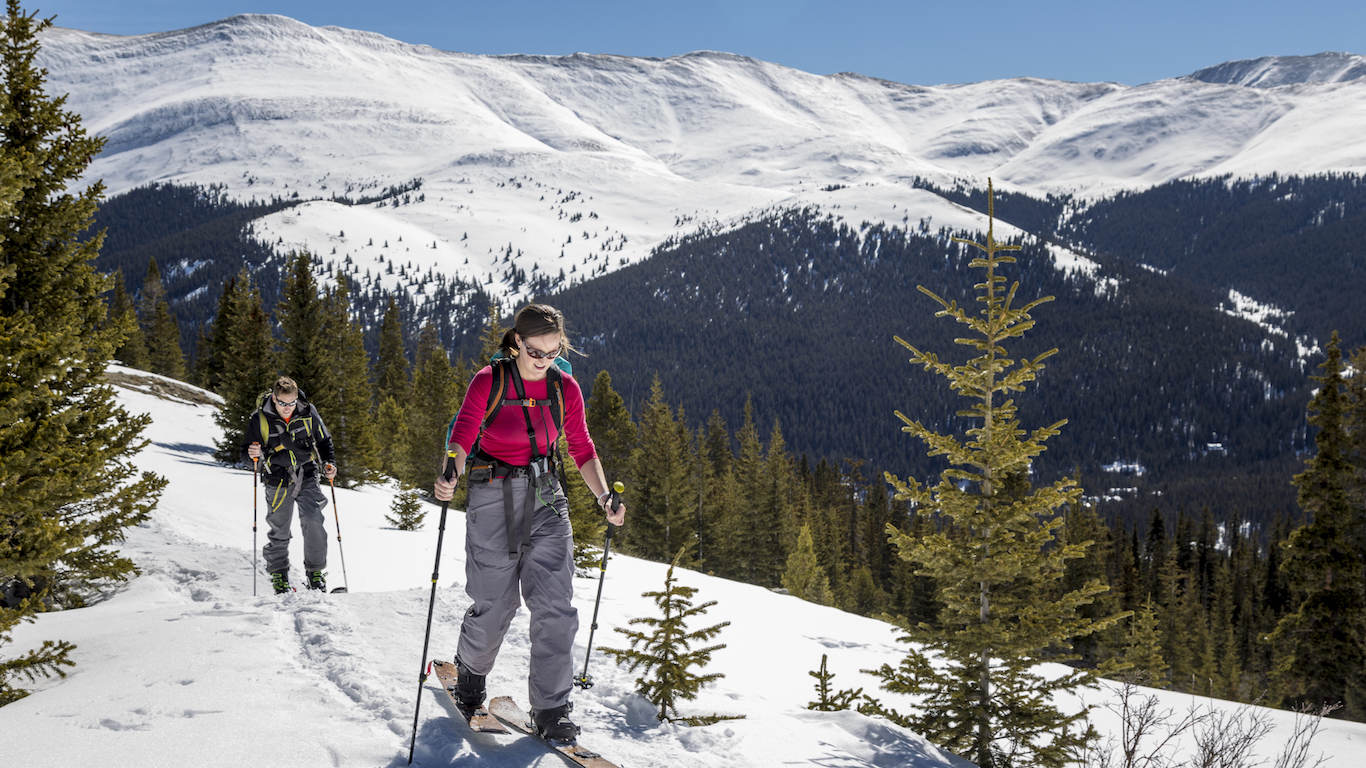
[
  {"x": 280, "y": 581},
  {"x": 554, "y": 726}
]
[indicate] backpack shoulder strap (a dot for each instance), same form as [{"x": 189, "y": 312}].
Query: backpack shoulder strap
[{"x": 498, "y": 387}]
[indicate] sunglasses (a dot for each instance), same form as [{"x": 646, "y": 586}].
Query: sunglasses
[
  {"x": 283, "y": 404},
  {"x": 539, "y": 355}
]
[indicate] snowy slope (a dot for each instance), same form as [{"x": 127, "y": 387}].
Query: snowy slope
[
  {"x": 185, "y": 667},
  {"x": 582, "y": 163}
]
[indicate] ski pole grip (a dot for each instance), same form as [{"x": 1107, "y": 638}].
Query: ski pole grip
[
  {"x": 450, "y": 466},
  {"x": 617, "y": 490}
]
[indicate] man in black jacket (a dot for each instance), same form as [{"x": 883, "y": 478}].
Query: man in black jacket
[{"x": 290, "y": 435}]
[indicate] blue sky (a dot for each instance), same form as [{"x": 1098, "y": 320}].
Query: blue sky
[{"x": 923, "y": 43}]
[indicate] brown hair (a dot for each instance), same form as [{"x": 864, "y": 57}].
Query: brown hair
[
  {"x": 285, "y": 386},
  {"x": 535, "y": 320}
]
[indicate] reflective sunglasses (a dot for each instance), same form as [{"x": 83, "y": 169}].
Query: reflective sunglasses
[
  {"x": 283, "y": 404},
  {"x": 539, "y": 355}
]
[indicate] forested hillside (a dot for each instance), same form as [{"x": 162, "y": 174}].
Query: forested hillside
[
  {"x": 798, "y": 312},
  {"x": 201, "y": 239},
  {"x": 1172, "y": 402}
]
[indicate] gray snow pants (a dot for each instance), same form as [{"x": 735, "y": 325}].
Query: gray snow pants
[
  {"x": 280, "y": 501},
  {"x": 544, "y": 572}
]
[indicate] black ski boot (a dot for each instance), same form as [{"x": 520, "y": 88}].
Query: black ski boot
[
  {"x": 469, "y": 690},
  {"x": 317, "y": 580},
  {"x": 280, "y": 581},
  {"x": 554, "y": 726}
]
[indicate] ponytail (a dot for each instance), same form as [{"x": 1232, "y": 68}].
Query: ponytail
[{"x": 508, "y": 346}]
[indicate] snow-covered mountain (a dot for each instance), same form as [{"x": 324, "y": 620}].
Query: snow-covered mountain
[
  {"x": 582, "y": 163},
  {"x": 185, "y": 667}
]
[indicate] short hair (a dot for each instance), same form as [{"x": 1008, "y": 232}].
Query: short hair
[{"x": 285, "y": 386}]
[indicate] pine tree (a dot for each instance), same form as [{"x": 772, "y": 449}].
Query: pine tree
[
  {"x": 984, "y": 696},
  {"x": 159, "y": 325},
  {"x": 662, "y": 511},
  {"x": 248, "y": 366},
  {"x": 492, "y": 338},
  {"x": 391, "y": 372},
  {"x": 132, "y": 351},
  {"x": 614, "y": 434},
  {"x": 213, "y": 348},
  {"x": 666, "y": 654},
  {"x": 348, "y": 389},
  {"x": 436, "y": 397},
  {"x": 716, "y": 487},
  {"x": 391, "y": 430},
  {"x": 804, "y": 577},
  {"x": 1354, "y": 422},
  {"x": 827, "y": 699},
  {"x": 1143, "y": 649},
  {"x": 1323, "y": 642},
  {"x": 300, "y": 315},
  {"x": 774, "y": 531},
  {"x": 1083, "y": 527},
  {"x": 405, "y": 512},
  {"x": 67, "y": 487}
]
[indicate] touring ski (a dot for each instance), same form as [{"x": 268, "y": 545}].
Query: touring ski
[
  {"x": 480, "y": 721},
  {"x": 505, "y": 709}
]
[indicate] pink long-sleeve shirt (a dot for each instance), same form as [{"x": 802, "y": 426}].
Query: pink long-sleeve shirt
[{"x": 506, "y": 437}]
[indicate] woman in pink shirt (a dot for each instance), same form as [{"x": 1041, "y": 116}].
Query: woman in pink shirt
[{"x": 517, "y": 522}]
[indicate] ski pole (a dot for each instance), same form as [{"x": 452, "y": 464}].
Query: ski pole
[
  {"x": 431, "y": 604},
  {"x": 584, "y": 681},
  {"x": 345, "y": 585},
  {"x": 254, "y": 502}
]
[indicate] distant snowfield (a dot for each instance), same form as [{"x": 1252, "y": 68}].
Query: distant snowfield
[
  {"x": 585, "y": 163},
  {"x": 185, "y": 667}
]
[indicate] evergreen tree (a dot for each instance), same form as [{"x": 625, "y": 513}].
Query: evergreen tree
[
  {"x": 159, "y": 325},
  {"x": 348, "y": 388},
  {"x": 248, "y": 366},
  {"x": 303, "y": 356},
  {"x": 827, "y": 699},
  {"x": 666, "y": 655},
  {"x": 983, "y": 695},
  {"x": 744, "y": 543},
  {"x": 773, "y": 531},
  {"x": 391, "y": 429},
  {"x": 1354, "y": 422},
  {"x": 213, "y": 349},
  {"x": 1143, "y": 649},
  {"x": 719, "y": 494},
  {"x": 68, "y": 490},
  {"x": 804, "y": 577},
  {"x": 436, "y": 397},
  {"x": 132, "y": 350},
  {"x": 391, "y": 373},
  {"x": 662, "y": 511},
  {"x": 405, "y": 511},
  {"x": 614, "y": 434},
  {"x": 1323, "y": 642},
  {"x": 1083, "y": 527},
  {"x": 492, "y": 338}
]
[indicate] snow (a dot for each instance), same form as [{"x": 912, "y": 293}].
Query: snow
[
  {"x": 185, "y": 667},
  {"x": 510, "y": 148}
]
